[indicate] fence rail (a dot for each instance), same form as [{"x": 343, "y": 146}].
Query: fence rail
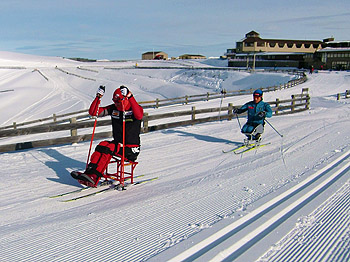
[{"x": 297, "y": 103}]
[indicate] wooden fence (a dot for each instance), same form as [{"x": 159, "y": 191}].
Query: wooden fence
[
  {"x": 209, "y": 96},
  {"x": 83, "y": 115},
  {"x": 297, "y": 103}
]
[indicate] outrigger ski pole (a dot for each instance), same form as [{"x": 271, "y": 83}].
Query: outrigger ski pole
[{"x": 273, "y": 128}]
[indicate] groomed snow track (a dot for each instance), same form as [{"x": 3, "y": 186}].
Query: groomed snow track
[{"x": 226, "y": 245}]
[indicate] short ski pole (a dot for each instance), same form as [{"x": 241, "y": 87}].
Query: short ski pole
[{"x": 273, "y": 128}]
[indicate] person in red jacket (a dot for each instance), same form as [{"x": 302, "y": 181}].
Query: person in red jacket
[{"x": 124, "y": 108}]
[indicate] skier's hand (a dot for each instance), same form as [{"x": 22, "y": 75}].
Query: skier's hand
[
  {"x": 235, "y": 110},
  {"x": 100, "y": 91},
  {"x": 262, "y": 114},
  {"x": 125, "y": 91}
]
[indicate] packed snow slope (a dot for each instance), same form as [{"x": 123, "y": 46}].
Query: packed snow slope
[{"x": 197, "y": 187}]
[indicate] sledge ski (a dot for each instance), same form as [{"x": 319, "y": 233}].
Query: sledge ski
[
  {"x": 111, "y": 187},
  {"x": 88, "y": 188}
]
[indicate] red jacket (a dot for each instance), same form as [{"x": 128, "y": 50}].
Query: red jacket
[{"x": 133, "y": 118}]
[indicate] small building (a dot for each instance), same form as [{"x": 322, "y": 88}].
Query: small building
[
  {"x": 189, "y": 56},
  {"x": 154, "y": 55}
]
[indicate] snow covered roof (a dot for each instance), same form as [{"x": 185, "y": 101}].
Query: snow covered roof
[{"x": 334, "y": 49}]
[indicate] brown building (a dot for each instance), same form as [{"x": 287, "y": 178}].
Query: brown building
[
  {"x": 155, "y": 55},
  {"x": 189, "y": 56}
]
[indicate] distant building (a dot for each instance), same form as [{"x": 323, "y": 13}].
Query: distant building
[
  {"x": 252, "y": 43},
  {"x": 254, "y": 51},
  {"x": 154, "y": 55},
  {"x": 189, "y": 56}
]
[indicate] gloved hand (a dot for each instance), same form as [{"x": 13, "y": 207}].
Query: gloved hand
[
  {"x": 262, "y": 114},
  {"x": 235, "y": 110},
  {"x": 101, "y": 91},
  {"x": 125, "y": 91}
]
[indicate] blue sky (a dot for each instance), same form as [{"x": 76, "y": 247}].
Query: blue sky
[{"x": 115, "y": 29}]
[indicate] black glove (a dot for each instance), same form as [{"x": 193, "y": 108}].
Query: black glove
[
  {"x": 101, "y": 91},
  {"x": 235, "y": 110},
  {"x": 125, "y": 91},
  {"x": 262, "y": 114}
]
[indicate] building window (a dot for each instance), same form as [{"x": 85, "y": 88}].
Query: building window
[
  {"x": 272, "y": 44},
  {"x": 290, "y": 45},
  {"x": 281, "y": 45}
]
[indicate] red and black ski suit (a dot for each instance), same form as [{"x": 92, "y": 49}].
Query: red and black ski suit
[{"x": 133, "y": 118}]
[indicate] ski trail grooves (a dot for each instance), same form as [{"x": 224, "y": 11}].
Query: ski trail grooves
[
  {"x": 327, "y": 223},
  {"x": 238, "y": 247}
]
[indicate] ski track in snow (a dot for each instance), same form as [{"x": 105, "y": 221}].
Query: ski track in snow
[{"x": 198, "y": 186}]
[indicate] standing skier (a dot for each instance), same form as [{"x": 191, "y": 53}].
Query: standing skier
[
  {"x": 124, "y": 108},
  {"x": 257, "y": 111}
]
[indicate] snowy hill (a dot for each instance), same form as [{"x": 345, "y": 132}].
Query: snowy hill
[
  {"x": 199, "y": 190},
  {"x": 39, "y": 87}
]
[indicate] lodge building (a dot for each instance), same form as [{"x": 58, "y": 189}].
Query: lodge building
[{"x": 254, "y": 51}]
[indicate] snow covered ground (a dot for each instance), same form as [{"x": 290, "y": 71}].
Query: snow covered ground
[{"x": 199, "y": 189}]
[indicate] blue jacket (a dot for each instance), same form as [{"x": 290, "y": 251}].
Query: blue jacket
[{"x": 253, "y": 111}]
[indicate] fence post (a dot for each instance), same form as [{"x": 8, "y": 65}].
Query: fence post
[
  {"x": 207, "y": 96},
  {"x": 73, "y": 132},
  {"x": 277, "y": 106},
  {"x": 347, "y": 93},
  {"x": 186, "y": 99},
  {"x": 145, "y": 122},
  {"x": 54, "y": 118},
  {"x": 230, "y": 111},
  {"x": 338, "y": 96},
  {"x": 305, "y": 91},
  {"x": 293, "y": 103},
  {"x": 157, "y": 102},
  {"x": 193, "y": 118},
  {"x": 307, "y": 106},
  {"x": 14, "y": 125}
]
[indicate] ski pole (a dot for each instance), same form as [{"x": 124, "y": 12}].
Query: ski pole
[
  {"x": 273, "y": 128},
  {"x": 93, "y": 131},
  {"x": 123, "y": 149},
  {"x": 92, "y": 136},
  {"x": 223, "y": 91},
  {"x": 239, "y": 123}
]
